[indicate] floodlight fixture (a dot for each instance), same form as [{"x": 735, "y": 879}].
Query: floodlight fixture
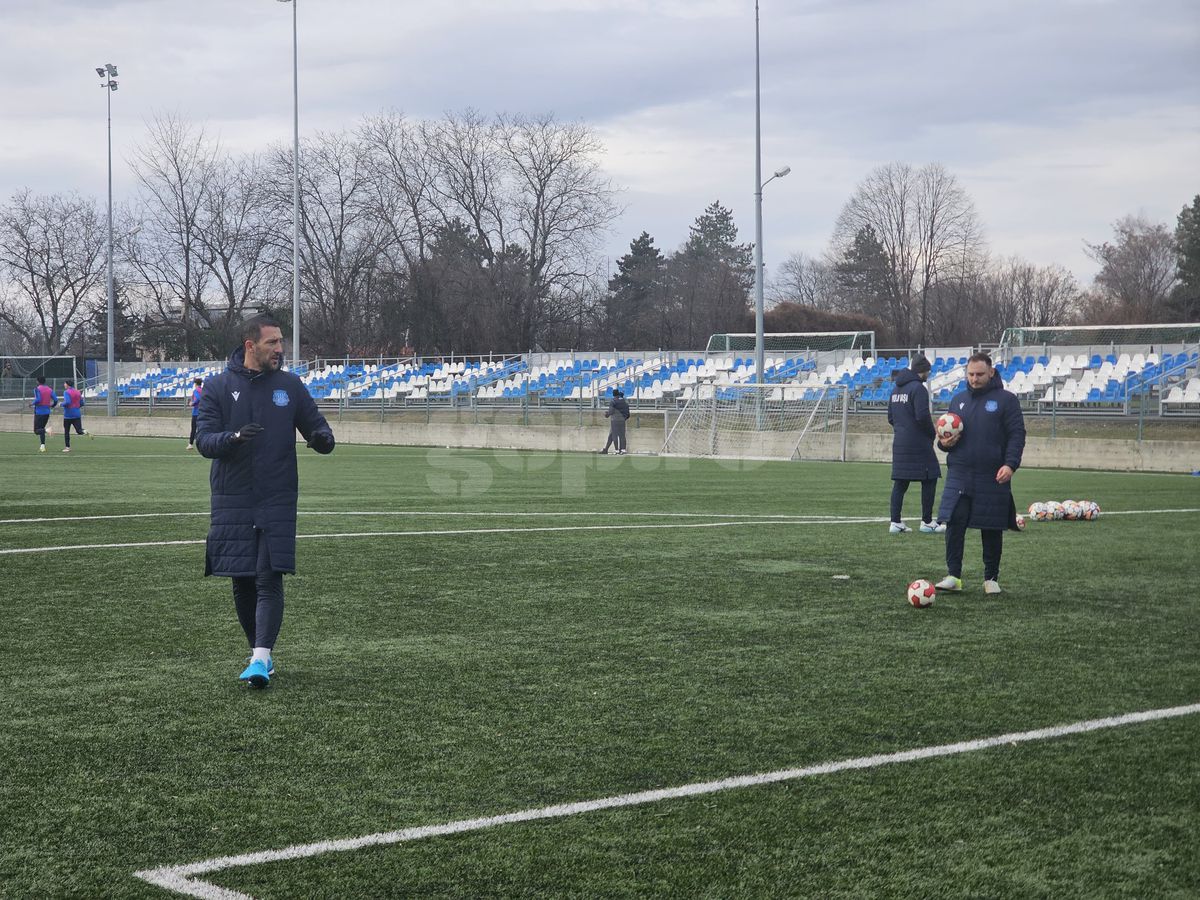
[
  {"x": 111, "y": 69},
  {"x": 100, "y": 71}
]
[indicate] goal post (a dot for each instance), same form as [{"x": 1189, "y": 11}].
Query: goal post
[
  {"x": 762, "y": 421},
  {"x": 797, "y": 342}
]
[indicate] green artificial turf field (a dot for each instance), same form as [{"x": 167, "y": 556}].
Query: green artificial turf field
[{"x": 605, "y": 626}]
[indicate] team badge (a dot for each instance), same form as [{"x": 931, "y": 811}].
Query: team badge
[
  {"x": 280, "y": 398},
  {"x": 991, "y": 406}
]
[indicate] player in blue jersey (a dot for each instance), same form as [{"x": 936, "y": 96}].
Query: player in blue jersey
[
  {"x": 194, "y": 403},
  {"x": 72, "y": 408},
  {"x": 44, "y": 400}
]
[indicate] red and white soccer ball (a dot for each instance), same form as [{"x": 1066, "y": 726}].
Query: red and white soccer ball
[
  {"x": 921, "y": 593},
  {"x": 1020, "y": 522},
  {"x": 948, "y": 425},
  {"x": 1091, "y": 509}
]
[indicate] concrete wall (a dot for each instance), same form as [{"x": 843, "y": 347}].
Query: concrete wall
[{"x": 1040, "y": 452}]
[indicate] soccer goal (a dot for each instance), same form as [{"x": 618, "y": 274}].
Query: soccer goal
[{"x": 762, "y": 421}]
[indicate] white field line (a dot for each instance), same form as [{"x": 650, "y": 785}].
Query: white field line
[
  {"x": 784, "y": 517},
  {"x": 182, "y": 878},
  {"x": 810, "y": 520},
  {"x": 456, "y": 513},
  {"x": 454, "y": 531}
]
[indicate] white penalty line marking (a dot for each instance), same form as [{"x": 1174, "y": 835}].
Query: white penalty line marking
[
  {"x": 459, "y": 513},
  {"x": 460, "y": 531},
  {"x": 182, "y": 878}
]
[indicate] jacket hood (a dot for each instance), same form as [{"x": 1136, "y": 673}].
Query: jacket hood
[
  {"x": 237, "y": 362},
  {"x": 904, "y": 376},
  {"x": 994, "y": 385}
]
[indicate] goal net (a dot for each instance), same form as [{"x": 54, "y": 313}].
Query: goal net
[
  {"x": 793, "y": 342},
  {"x": 762, "y": 421}
]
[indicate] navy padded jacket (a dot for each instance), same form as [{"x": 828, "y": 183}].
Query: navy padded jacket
[
  {"x": 913, "y": 435},
  {"x": 993, "y": 435},
  {"x": 254, "y": 483}
]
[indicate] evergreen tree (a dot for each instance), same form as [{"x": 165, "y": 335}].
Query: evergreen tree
[
  {"x": 634, "y": 312},
  {"x": 711, "y": 278},
  {"x": 863, "y": 280},
  {"x": 1185, "y": 302}
]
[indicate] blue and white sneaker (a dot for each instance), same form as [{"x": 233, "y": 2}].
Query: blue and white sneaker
[
  {"x": 933, "y": 528},
  {"x": 258, "y": 673}
]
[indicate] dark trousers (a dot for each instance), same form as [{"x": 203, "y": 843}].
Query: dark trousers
[
  {"x": 192, "y": 435},
  {"x": 900, "y": 488},
  {"x": 68, "y": 424},
  {"x": 40, "y": 420},
  {"x": 259, "y": 599},
  {"x": 956, "y": 535}
]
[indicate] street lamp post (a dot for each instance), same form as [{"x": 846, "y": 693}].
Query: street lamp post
[
  {"x": 295, "y": 192},
  {"x": 108, "y": 72},
  {"x": 759, "y": 184}
]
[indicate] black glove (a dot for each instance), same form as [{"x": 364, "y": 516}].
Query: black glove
[
  {"x": 322, "y": 441},
  {"x": 247, "y": 432}
]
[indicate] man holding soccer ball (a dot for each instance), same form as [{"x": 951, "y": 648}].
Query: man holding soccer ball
[{"x": 980, "y": 461}]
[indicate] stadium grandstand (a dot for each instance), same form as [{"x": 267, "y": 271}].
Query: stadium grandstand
[{"x": 1114, "y": 370}]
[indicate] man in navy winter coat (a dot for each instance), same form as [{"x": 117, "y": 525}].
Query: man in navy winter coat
[
  {"x": 249, "y": 416},
  {"x": 913, "y": 434},
  {"x": 980, "y": 463}
]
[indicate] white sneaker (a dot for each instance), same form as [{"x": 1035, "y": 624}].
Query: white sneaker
[
  {"x": 949, "y": 583},
  {"x": 622, "y": 452},
  {"x": 188, "y": 447},
  {"x": 931, "y": 528},
  {"x": 41, "y": 448},
  {"x": 991, "y": 587},
  {"x": 898, "y": 528},
  {"x": 66, "y": 449}
]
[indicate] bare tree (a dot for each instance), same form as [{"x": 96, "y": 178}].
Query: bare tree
[
  {"x": 235, "y": 227},
  {"x": 52, "y": 248},
  {"x": 175, "y": 168},
  {"x": 340, "y": 237},
  {"x": 1138, "y": 271},
  {"x": 561, "y": 204},
  {"x": 926, "y": 225},
  {"x": 806, "y": 281}
]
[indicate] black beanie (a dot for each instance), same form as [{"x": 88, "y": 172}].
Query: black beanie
[{"x": 920, "y": 364}]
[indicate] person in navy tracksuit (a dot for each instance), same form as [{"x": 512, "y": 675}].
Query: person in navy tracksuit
[
  {"x": 72, "y": 409},
  {"x": 913, "y": 435},
  {"x": 980, "y": 463},
  {"x": 249, "y": 416},
  {"x": 194, "y": 403},
  {"x": 44, "y": 400}
]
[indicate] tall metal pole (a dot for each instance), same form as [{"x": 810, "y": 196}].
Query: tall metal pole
[
  {"x": 759, "y": 371},
  {"x": 295, "y": 194},
  {"x": 112, "y": 356}
]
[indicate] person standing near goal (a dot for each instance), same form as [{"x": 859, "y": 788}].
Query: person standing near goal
[
  {"x": 617, "y": 414},
  {"x": 249, "y": 416},
  {"x": 913, "y": 435},
  {"x": 980, "y": 462},
  {"x": 44, "y": 400},
  {"x": 194, "y": 403},
  {"x": 72, "y": 408}
]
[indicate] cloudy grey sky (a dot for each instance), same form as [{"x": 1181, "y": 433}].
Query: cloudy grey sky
[{"x": 1057, "y": 116}]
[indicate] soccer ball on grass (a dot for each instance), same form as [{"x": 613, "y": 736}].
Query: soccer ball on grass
[{"x": 921, "y": 593}]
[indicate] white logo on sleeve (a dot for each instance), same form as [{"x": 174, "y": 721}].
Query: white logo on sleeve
[{"x": 236, "y": 394}]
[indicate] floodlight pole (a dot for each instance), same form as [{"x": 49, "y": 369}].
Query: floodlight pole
[
  {"x": 108, "y": 71},
  {"x": 295, "y": 191},
  {"x": 759, "y": 373},
  {"x": 760, "y": 376}
]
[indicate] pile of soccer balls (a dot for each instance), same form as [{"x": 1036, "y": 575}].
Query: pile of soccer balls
[{"x": 1070, "y": 510}]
